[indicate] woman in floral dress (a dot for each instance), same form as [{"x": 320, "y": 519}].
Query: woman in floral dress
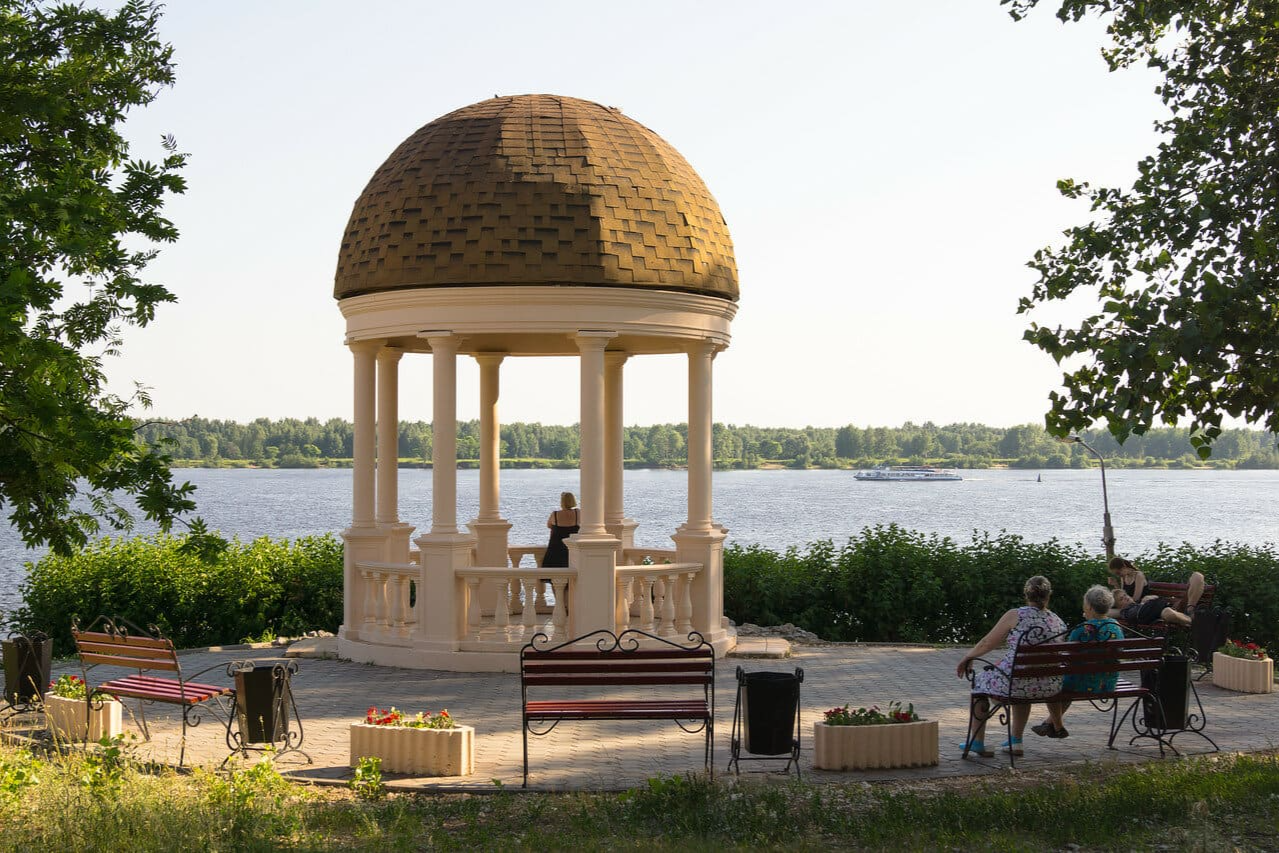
[{"x": 1033, "y": 619}]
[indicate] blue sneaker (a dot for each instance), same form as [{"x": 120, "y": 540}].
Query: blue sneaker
[
  {"x": 979, "y": 748},
  {"x": 1013, "y": 745}
]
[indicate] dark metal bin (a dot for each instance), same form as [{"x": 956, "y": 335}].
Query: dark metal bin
[
  {"x": 265, "y": 712},
  {"x": 766, "y": 721},
  {"x": 27, "y": 665}
]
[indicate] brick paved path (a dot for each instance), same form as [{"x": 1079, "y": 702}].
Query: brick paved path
[{"x": 615, "y": 755}]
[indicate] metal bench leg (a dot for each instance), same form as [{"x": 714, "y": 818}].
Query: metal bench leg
[{"x": 525, "y": 733}]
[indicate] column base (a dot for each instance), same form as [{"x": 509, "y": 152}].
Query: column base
[
  {"x": 361, "y": 545},
  {"x": 441, "y": 614},
  {"x": 594, "y": 556},
  {"x": 706, "y": 546},
  {"x": 398, "y": 535}
]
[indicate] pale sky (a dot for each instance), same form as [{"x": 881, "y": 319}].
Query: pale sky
[{"x": 886, "y": 170}]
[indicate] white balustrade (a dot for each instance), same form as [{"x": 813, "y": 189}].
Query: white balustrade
[
  {"x": 664, "y": 593},
  {"x": 519, "y": 594},
  {"x": 387, "y": 588}
]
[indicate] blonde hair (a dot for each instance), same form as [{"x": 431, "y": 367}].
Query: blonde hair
[
  {"x": 1037, "y": 591},
  {"x": 567, "y": 501}
]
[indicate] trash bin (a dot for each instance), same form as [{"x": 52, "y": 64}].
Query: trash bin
[
  {"x": 769, "y": 703},
  {"x": 1171, "y": 683},
  {"x": 1208, "y": 633},
  {"x": 262, "y": 700},
  {"x": 27, "y": 664}
]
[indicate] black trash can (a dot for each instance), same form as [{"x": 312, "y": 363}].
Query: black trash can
[
  {"x": 262, "y": 701},
  {"x": 1208, "y": 633},
  {"x": 1171, "y": 683},
  {"x": 27, "y": 664},
  {"x": 769, "y": 703}
]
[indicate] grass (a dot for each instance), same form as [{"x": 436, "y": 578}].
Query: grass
[{"x": 103, "y": 801}]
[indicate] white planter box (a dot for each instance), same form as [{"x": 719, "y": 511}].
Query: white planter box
[
  {"x": 1242, "y": 674},
  {"x": 421, "y": 752},
  {"x": 66, "y": 718},
  {"x": 875, "y": 747}
]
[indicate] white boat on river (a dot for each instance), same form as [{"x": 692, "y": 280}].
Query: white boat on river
[{"x": 907, "y": 474}]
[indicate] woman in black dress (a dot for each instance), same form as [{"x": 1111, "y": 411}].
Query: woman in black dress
[{"x": 564, "y": 522}]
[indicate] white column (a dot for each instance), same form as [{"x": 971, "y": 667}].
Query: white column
[
  {"x": 613, "y": 447},
  {"x": 362, "y": 475},
  {"x": 591, "y": 346},
  {"x": 700, "y": 451},
  {"x": 490, "y": 436},
  {"x": 444, "y": 346},
  {"x": 491, "y": 530},
  {"x": 388, "y": 435}
]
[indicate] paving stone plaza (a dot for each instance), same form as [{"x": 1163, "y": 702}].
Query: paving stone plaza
[{"x": 331, "y": 694}]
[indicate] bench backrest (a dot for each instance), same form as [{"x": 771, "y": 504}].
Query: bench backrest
[
  {"x": 1055, "y": 659},
  {"x": 617, "y": 660},
  {"x": 113, "y": 647},
  {"x": 1165, "y": 589}
]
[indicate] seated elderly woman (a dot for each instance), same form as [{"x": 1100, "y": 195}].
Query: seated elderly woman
[
  {"x": 1035, "y": 619},
  {"x": 1097, "y": 627}
]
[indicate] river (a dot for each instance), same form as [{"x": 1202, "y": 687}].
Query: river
[{"x": 772, "y": 508}]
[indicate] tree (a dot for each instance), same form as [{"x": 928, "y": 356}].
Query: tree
[
  {"x": 74, "y": 210},
  {"x": 1185, "y": 261}
]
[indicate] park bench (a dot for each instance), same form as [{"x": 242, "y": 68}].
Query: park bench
[
  {"x": 1173, "y": 592},
  {"x": 1036, "y": 658},
  {"x": 607, "y": 676},
  {"x": 116, "y": 643}
]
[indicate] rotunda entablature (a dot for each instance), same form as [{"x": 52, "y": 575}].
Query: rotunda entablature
[{"x": 539, "y": 321}]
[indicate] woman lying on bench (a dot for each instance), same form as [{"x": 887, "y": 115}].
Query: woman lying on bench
[{"x": 1136, "y": 606}]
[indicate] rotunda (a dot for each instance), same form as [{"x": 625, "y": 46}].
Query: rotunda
[{"x": 527, "y": 226}]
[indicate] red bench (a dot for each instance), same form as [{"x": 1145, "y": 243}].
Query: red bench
[
  {"x": 631, "y": 659},
  {"x": 1171, "y": 591},
  {"x": 1054, "y": 659},
  {"x": 114, "y": 642}
]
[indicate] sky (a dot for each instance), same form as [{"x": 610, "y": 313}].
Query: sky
[{"x": 885, "y": 169}]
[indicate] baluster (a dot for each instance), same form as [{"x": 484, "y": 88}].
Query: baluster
[
  {"x": 668, "y": 606},
  {"x": 529, "y": 587},
  {"x": 473, "y": 607},
  {"x": 646, "y": 603},
  {"x": 395, "y": 594},
  {"x": 502, "y": 606},
  {"x": 370, "y": 612},
  {"x": 659, "y": 595},
  {"x": 559, "y": 616},
  {"x": 622, "y": 610},
  {"x": 684, "y": 622}
]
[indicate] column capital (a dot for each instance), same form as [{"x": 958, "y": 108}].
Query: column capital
[
  {"x": 704, "y": 347},
  {"x": 365, "y": 346},
  {"x": 615, "y": 358},
  {"x": 590, "y": 340},
  {"x": 488, "y": 359},
  {"x": 389, "y": 354},
  {"x": 443, "y": 340}
]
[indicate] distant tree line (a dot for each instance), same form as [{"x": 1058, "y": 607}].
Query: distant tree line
[{"x": 293, "y": 443}]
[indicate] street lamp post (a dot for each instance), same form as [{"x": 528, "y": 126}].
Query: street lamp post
[{"x": 1107, "y": 532}]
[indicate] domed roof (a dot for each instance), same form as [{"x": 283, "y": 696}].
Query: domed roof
[{"x": 536, "y": 190}]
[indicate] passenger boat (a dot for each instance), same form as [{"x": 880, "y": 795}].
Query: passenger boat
[{"x": 907, "y": 474}]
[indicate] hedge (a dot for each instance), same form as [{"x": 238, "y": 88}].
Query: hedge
[
  {"x": 251, "y": 591},
  {"x": 888, "y": 584}
]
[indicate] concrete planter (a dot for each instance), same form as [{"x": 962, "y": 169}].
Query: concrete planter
[
  {"x": 1243, "y": 674},
  {"x": 66, "y": 718},
  {"x": 421, "y": 752},
  {"x": 875, "y": 747}
]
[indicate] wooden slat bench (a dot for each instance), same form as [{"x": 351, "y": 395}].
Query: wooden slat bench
[
  {"x": 632, "y": 659},
  {"x": 1050, "y": 658},
  {"x": 114, "y": 642},
  {"x": 1172, "y": 591}
]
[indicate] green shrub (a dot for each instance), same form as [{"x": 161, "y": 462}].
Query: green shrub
[
  {"x": 248, "y": 591},
  {"x": 888, "y": 584}
]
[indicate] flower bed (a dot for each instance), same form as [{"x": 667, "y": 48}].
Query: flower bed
[
  {"x": 68, "y": 712},
  {"x": 1243, "y": 667},
  {"x": 867, "y": 738},
  {"x": 423, "y": 745}
]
